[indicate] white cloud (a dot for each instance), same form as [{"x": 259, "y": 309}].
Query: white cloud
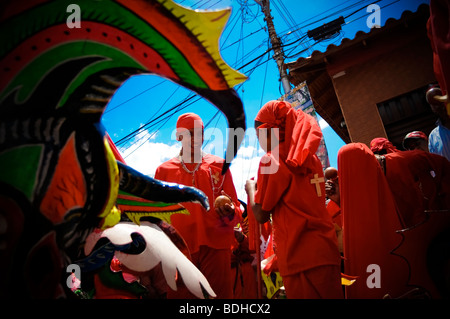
[
  {"x": 243, "y": 168},
  {"x": 323, "y": 124},
  {"x": 145, "y": 155}
]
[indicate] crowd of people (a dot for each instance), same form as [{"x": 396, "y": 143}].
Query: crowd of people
[
  {"x": 301, "y": 224},
  {"x": 311, "y": 216},
  {"x": 292, "y": 194}
]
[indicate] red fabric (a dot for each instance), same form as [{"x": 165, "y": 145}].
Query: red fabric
[
  {"x": 419, "y": 181},
  {"x": 322, "y": 282},
  {"x": 304, "y": 235},
  {"x": 266, "y": 230},
  {"x": 370, "y": 222},
  {"x": 189, "y": 121},
  {"x": 301, "y": 132},
  {"x": 256, "y": 230},
  {"x": 380, "y": 143},
  {"x": 253, "y": 230},
  {"x": 335, "y": 213},
  {"x": 215, "y": 265},
  {"x": 439, "y": 33},
  {"x": 247, "y": 289},
  {"x": 203, "y": 227},
  {"x": 244, "y": 283}
]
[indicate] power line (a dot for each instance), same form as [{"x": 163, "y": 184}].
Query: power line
[
  {"x": 387, "y": 5},
  {"x": 133, "y": 97},
  {"x": 178, "y": 105},
  {"x": 296, "y": 43},
  {"x": 334, "y": 13},
  {"x": 348, "y": 22}
]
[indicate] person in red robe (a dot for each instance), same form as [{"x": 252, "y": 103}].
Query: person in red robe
[
  {"x": 420, "y": 182},
  {"x": 208, "y": 234},
  {"x": 381, "y": 145},
  {"x": 334, "y": 200},
  {"x": 290, "y": 187},
  {"x": 394, "y": 207},
  {"x": 370, "y": 221},
  {"x": 244, "y": 283}
]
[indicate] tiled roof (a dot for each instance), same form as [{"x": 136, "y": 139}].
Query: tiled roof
[{"x": 314, "y": 69}]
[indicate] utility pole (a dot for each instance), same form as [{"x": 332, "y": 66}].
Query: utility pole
[
  {"x": 322, "y": 152},
  {"x": 276, "y": 44}
]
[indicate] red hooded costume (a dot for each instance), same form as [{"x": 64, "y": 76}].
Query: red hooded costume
[
  {"x": 392, "y": 219},
  {"x": 208, "y": 236},
  {"x": 291, "y": 186}
]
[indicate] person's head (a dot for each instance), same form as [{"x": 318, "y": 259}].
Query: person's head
[
  {"x": 190, "y": 132},
  {"x": 415, "y": 140},
  {"x": 266, "y": 135},
  {"x": 436, "y": 106},
  {"x": 381, "y": 146},
  {"x": 270, "y": 124},
  {"x": 290, "y": 134}
]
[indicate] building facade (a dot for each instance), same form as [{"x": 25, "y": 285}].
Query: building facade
[{"x": 374, "y": 85}]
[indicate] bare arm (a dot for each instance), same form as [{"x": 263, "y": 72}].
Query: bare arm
[{"x": 261, "y": 215}]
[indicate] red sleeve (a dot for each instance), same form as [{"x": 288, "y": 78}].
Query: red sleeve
[
  {"x": 271, "y": 182},
  {"x": 230, "y": 190},
  {"x": 335, "y": 213},
  {"x": 159, "y": 175}
]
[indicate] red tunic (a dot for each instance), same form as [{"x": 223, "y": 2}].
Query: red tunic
[
  {"x": 335, "y": 213},
  {"x": 201, "y": 227},
  {"x": 291, "y": 186},
  {"x": 370, "y": 222},
  {"x": 304, "y": 236},
  {"x": 419, "y": 182}
]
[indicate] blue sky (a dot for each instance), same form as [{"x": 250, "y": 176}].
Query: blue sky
[{"x": 144, "y": 98}]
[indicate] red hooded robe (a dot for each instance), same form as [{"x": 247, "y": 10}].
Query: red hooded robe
[
  {"x": 291, "y": 186},
  {"x": 387, "y": 231},
  {"x": 208, "y": 236}
]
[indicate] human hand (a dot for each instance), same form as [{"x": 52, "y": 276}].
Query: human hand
[
  {"x": 332, "y": 191},
  {"x": 250, "y": 186}
]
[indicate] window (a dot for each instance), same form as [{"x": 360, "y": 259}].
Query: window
[{"x": 406, "y": 113}]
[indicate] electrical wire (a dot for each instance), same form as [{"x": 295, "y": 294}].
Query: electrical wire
[
  {"x": 369, "y": 13},
  {"x": 176, "y": 107},
  {"x": 133, "y": 97},
  {"x": 280, "y": 7}
]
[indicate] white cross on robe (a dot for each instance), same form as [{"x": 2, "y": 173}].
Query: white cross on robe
[{"x": 317, "y": 180}]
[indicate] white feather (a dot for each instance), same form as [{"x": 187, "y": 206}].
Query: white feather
[{"x": 159, "y": 248}]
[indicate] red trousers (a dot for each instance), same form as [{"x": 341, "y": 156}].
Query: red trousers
[
  {"x": 215, "y": 265},
  {"x": 323, "y": 282},
  {"x": 245, "y": 282}
]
